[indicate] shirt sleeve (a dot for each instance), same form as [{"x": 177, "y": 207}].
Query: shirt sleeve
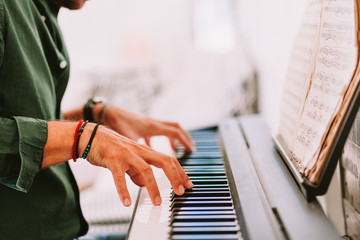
[
  {"x": 2, "y": 30},
  {"x": 21, "y": 150}
]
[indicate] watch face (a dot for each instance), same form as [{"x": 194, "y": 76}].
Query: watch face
[{"x": 98, "y": 99}]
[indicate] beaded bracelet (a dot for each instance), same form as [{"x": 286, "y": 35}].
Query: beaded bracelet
[
  {"x": 78, "y": 138},
  {"x": 75, "y": 140},
  {"x": 90, "y": 141}
]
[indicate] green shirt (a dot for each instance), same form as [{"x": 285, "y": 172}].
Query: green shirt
[{"x": 35, "y": 203}]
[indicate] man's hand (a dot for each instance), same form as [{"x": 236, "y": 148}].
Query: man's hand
[
  {"x": 122, "y": 155},
  {"x": 135, "y": 126}
]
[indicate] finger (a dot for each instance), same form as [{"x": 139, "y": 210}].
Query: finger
[
  {"x": 176, "y": 125},
  {"x": 136, "y": 177},
  {"x": 175, "y": 134},
  {"x": 147, "y": 174},
  {"x": 172, "y": 170},
  {"x": 185, "y": 178},
  {"x": 120, "y": 183},
  {"x": 173, "y": 144},
  {"x": 147, "y": 141}
]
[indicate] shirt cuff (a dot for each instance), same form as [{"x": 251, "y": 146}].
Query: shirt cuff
[{"x": 32, "y": 139}]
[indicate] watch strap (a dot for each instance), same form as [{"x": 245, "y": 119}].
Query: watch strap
[{"x": 88, "y": 109}]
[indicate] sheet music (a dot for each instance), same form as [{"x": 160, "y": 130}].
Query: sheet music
[
  {"x": 300, "y": 67},
  {"x": 335, "y": 61}
]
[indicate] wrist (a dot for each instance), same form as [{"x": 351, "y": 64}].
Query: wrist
[
  {"x": 97, "y": 110},
  {"x": 90, "y": 109},
  {"x": 59, "y": 143},
  {"x": 85, "y": 136}
]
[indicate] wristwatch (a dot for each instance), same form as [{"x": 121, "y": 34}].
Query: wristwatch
[{"x": 88, "y": 107}]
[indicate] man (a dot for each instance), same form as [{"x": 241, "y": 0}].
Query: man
[{"x": 38, "y": 196}]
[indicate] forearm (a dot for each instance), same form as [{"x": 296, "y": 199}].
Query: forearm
[{"x": 59, "y": 145}]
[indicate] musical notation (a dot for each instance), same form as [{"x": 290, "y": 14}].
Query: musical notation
[{"x": 321, "y": 68}]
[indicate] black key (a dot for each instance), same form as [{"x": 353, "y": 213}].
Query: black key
[
  {"x": 203, "y": 208},
  {"x": 201, "y": 163},
  {"x": 196, "y": 137},
  {"x": 204, "y": 189},
  {"x": 213, "y": 186},
  {"x": 190, "y": 213},
  {"x": 196, "y": 155},
  {"x": 201, "y": 203},
  {"x": 204, "y": 218},
  {"x": 202, "y": 149},
  {"x": 207, "y": 177},
  {"x": 206, "y": 237},
  {"x": 201, "y": 160},
  {"x": 198, "y": 182},
  {"x": 197, "y": 173},
  {"x": 203, "y": 224},
  {"x": 203, "y": 194},
  {"x": 204, "y": 168},
  {"x": 210, "y": 230},
  {"x": 197, "y": 198},
  {"x": 208, "y": 143}
]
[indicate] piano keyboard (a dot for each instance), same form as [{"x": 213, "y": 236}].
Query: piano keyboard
[{"x": 204, "y": 212}]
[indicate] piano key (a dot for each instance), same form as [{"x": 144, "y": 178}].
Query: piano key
[
  {"x": 202, "y": 163},
  {"x": 197, "y": 198},
  {"x": 209, "y": 143},
  {"x": 204, "y": 218},
  {"x": 209, "y": 149},
  {"x": 206, "y": 237},
  {"x": 201, "y": 224},
  {"x": 201, "y": 168},
  {"x": 201, "y": 159},
  {"x": 208, "y": 177},
  {"x": 203, "y": 131},
  {"x": 198, "y": 182},
  {"x": 204, "y": 169},
  {"x": 202, "y": 208},
  {"x": 219, "y": 203},
  {"x": 205, "y": 136},
  {"x": 210, "y": 230},
  {"x": 215, "y": 173},
  {"x": 203, "y": 194},
  {"x": 209, "y": 186},
  {"x": 205, "y": 189},
  {"x": 196, "y": 155},
  {"x": 222, "y": 212},
  {"x": 202, "y": 149}
]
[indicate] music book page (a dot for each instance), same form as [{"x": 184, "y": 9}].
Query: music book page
[{"x": 319, "y": 80}]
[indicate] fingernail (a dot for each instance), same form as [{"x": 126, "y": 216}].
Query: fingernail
[
  {"x": 157, "y": 200},
  {"x": 181, "y": 190},
  {"x": 127, "y": 202},
  {"x": 189, "y": 184}
]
